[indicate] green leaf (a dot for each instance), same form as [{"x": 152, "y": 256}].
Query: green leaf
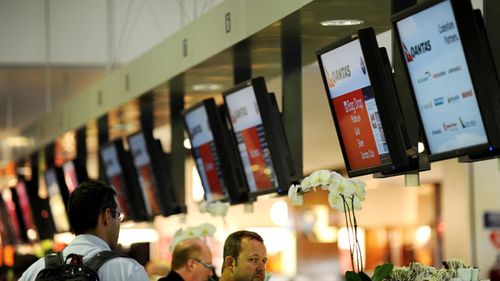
[
  {"x": 364, "y": 277},
  {"x": 352, "y": 276},
  {"x": 382, "y": 271},
  {"x": 356, "y": 276}
]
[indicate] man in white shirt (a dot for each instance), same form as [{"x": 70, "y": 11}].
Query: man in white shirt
[{"x": 95, "y": 219}]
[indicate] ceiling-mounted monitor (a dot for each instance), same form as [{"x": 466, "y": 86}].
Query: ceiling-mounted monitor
[
  {"x": 58, "y": 195},
  {"x": 121, "y": 175},
  {"x": 25, "y": 209},
  {"x": 364, "y": 104},
  {"x": 154, "y": 175},
  {"x": 215, "y": 153},
  {"x": 74, "y": 173},
  {"x": 260, "y": 137},
  {"x": 450, "y": 78},
  {"x": 12, "y": 215}
]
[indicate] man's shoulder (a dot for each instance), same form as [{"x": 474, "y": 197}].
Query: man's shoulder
[
  {"x": 123, "y": 268},
  {"x": 32, "y": 271},
  {"x": 117, "y": 268}
]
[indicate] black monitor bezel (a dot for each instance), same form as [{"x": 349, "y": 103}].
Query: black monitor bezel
[
  {"x": 382, "y": 83},
  {"x": 469, "y": 34},
  {"x": 274, "y": 135},
  {"x": 232, "y": 172}
]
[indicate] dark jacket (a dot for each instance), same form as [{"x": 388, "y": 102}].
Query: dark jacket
[{"x": 172, "y": 276}]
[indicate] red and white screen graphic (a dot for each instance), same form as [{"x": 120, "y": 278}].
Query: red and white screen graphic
[
  {"x": 251, "y": 139},
  {"x": 205, "y": 154}
]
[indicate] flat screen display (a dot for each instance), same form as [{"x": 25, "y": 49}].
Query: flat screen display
[
  {"x": 5, "y": 228},
  {"x": 142, "y": 163},
  {"x": 70, "y": 176},
  {"x": 114, "y": 172},
  {"x": 10, "y": 208},
  {"x": 250, "y": 136},
  {"x": 441, "y": 81},
  {"x": 355, "y": 109},
  {"x": 56, "y": 202},
  {"x": 205, "y": 154},
  {"x": 25, "y": 205}
]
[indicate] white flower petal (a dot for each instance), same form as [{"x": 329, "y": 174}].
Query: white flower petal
[
  {"x": 335, "y": 201},
  {"x": 306, "y": 183}
]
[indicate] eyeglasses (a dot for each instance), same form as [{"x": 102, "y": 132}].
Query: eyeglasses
[
  {"x": 121, "y": 216},
  {"x": 206, "y": 265}
]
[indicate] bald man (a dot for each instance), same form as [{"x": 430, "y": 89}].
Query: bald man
[{"x": 191, "y": 261}]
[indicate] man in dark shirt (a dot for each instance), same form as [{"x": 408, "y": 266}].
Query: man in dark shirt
[{"x": 191, "y": 261}]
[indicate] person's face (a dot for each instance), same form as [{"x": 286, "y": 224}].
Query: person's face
[
  {"x": 203, "y": 265},
  {"x": 250, "y": 265}
]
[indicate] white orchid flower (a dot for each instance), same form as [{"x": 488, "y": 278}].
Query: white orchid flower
[
  {"x": 320, "y": 178},
  {"x": 293, "y": 193},
  {"x": 335, "y": 201},
  {"x": 203, "y": 206},
  {"x": 179, "y": 235},
  {"x": 345, "y": 187},
  {"x": 219, "y": 209},
  {"x": 306, "y": 184},
  {"x": 207, "y": 229},
  {"x": 356, "y": 203},
  {"x": 359, "y": 188}
]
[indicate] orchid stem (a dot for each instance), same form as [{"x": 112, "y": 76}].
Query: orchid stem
[
  {"x": 360, "y": 254},
  {"x": 354, "y": 233},
  {"x": 346, "y": 212}
]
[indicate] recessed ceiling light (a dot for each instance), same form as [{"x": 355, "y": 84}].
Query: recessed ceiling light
[
  {"x": 207, "y": 87},
  {"x": 341, "y": 22}
]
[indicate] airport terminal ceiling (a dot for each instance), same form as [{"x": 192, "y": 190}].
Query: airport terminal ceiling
[{"x": 28, "y": 82}]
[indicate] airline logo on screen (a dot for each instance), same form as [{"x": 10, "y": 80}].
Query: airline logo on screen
[
  {"x": 337, "y": 75},
  {"x": 239, "y": 113},
  {"x": 416, "y": 50},
  {"x": 196, "y": 130}
]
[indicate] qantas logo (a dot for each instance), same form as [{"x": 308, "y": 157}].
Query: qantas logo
[
  {"x": 238, "y": 113},
  {"x": 337, "y": 75},
  {"x": 416, "y": 50},
  {"x": 408, "y": 55}
]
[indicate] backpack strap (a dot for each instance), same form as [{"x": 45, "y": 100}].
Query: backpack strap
[
  {"x": 53, "y": 260},
  {"x": 100, "y": 258}
]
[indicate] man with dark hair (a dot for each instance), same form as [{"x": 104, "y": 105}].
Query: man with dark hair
[
  {"x": 95, "y": 217},
  {"x": 245, "y": 257},
  {"x": 191, "y": 261}
]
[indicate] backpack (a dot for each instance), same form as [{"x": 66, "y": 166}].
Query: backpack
[{"x": 57, "y": 269}]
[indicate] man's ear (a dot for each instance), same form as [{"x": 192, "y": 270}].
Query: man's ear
[
  {"x": 190, "y": 264},
  {"x": 230, "y": 263},
  {"x": 105, "y": 216}
]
